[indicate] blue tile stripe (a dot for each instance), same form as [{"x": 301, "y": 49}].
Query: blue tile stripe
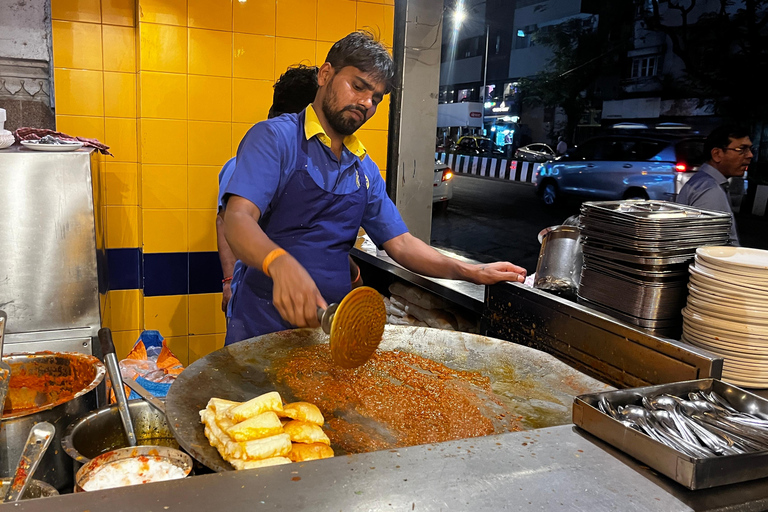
[
  {"x": 124, "y": 268},
  {"x": 177, "y": 273},
  {"x": 166, "y": 273}
]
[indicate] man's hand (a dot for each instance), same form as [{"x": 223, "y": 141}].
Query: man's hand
[
  {"x": 418, "y": 257},
  {"x": 491, "y": 273},
  {"x": 295, "y": 294},
  {"x": 226, "y": 296}
]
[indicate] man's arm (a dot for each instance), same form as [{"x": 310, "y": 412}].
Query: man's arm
[
  {"x": 418, "y": 257},
  {"x": 295, "y": 294},
  {"x": 227, "y": 260}
]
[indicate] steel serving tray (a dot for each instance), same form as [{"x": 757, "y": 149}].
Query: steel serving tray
[
  {"x": 691, "y": 472},
  {"x": 650, "y": 211},
  {"x": 667, "y": 326},
  {"x": 659, "y": 259},
  {"x": 664, "y": 274}
]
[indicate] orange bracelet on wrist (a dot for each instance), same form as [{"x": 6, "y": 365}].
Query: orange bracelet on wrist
[
  {"x": 358, "y": 276},
  {"x": 272, "y": 256}
]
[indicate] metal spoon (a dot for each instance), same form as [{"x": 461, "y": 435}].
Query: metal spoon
[
  {"x": 669, "y": 404},
  {"x": 643, "y": 418},
  {"x": 647, "y": 422},
  {"x": 755, "y": 435},
  {"x": 5, "y": 368},
  {"x": 738, "y": 442},
  {"x": 738, "y": 417},
  {"x": 607, "y": 407},
  {"x": 113, "y": 369},
  {"x": 666, "y": 419},
  {"x": 39, "y": 438}
]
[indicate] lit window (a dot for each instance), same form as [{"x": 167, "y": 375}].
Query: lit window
[{"x": 645, "y": 66}]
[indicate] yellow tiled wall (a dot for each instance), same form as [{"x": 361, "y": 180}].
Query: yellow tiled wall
[{"x": 172, "y": 86}]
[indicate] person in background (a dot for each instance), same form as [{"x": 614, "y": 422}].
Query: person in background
[
  {"x": 294, "y": 90},
  {"x": 729, "y": 150},
  {"x": 302, "y": 187},
  {"x": 562, "y": 146}
]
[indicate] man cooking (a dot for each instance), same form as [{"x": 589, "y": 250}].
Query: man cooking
[
  {"x": 730, "y": 151},
  {"x": 302, "y": 187}
]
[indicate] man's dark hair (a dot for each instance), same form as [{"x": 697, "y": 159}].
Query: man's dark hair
[
  {"x": 721, "y": 137},
  {"x": 361, "y": 50},
  {"x": 294, "y": 90}
]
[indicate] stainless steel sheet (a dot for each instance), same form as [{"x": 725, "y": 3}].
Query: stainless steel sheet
[
  {"x": 48, "y": 244},
  {"x": 530, "y": 383}
]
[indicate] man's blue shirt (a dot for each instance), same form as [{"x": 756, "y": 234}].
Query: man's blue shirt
[
  {"x": 708, "y": 190},
  {"x": 266, "y": 159}
]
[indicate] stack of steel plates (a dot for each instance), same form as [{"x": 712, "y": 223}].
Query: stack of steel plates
[{"x": 636, "y": 257}]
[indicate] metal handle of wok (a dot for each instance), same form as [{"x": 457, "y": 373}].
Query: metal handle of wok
[{"x": 113, "y": 369}]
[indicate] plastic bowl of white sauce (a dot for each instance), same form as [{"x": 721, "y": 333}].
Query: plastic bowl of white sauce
[{"x": 132, "y": 466}]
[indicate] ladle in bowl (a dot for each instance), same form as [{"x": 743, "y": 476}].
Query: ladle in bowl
[
  {"x": 37, "y": 442},
  {"x": 5, "y": 368},
  {"x": 113, "y": 369}
]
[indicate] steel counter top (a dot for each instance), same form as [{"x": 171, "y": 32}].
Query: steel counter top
[
  {"x": 463, "y": 293},
  {"x": 558, "y": 468}
]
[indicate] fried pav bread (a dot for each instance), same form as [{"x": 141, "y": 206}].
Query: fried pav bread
[
  {"x": 223, "y": 422},
  {"x": 304, "y": 411},
  {"x": 267, "y": 402},
  {"x": 265, "y": 424},
  {"x": 219, "y": 406},
  {"x": 273, "y": 446},
  {"x": 305, "y": 432},
  {"x": 263, "y": 432},
  {"x": 229, "y": 450},
  {"x": 301, "y": 452},
  {"x": 218, "y": 438},
  {"x": 253, "y": 464}
]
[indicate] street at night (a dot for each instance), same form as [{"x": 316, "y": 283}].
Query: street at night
[{"x": 490, "y": 219}]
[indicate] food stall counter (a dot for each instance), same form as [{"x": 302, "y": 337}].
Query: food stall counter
[{"x": 557, "y": 468}]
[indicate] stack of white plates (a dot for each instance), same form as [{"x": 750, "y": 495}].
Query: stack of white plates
[{"x": 727, "y": 311}]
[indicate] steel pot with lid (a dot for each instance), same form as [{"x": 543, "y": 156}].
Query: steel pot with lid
[
  {"x": 56, "y": 387},
  {"x": 560, "y": 260}
]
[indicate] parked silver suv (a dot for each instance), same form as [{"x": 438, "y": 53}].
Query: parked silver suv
[{"x": 621, "y": 167}]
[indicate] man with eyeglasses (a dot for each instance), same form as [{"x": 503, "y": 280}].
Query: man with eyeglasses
[{"x": 730, "y": 152}]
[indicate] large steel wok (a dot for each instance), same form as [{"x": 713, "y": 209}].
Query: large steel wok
[{"x": 530, "y": 383}]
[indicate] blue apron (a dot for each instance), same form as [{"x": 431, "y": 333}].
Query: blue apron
[{"x": 316, "y": 227}]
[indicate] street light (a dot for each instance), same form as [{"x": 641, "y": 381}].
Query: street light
[{"x": 459, "y": 15}]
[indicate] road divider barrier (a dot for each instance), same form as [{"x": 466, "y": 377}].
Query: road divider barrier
[
  {"x": 489, "y": 167},
  {"x": 518, "y": 170}
]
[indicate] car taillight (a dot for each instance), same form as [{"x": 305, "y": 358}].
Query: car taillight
[
  {"x": 681, "y": 168},
  {"x": 447, "y": 174}
]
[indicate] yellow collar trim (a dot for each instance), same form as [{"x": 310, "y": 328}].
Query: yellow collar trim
[{"x": 312, "y": 127}]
